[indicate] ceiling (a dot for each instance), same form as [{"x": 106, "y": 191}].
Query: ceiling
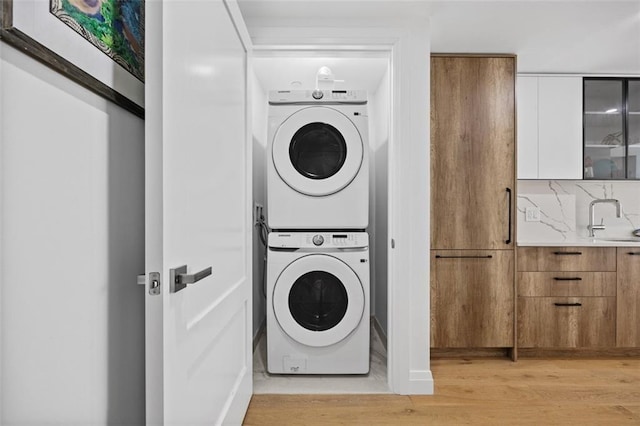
[
  {"x": 585, "y": 37},
  {"x": 298, "y": 71}
]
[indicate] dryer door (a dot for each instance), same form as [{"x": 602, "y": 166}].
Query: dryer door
[
  {"x": 317, "y": 151},
  {"x": 318, "y": 300}
]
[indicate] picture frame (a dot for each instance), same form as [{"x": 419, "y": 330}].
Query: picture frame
[{"x": 31, "y": 28}]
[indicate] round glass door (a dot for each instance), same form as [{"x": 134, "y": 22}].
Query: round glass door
[
  {"x": 317, "y": 151},
  {"x": 318, "y": 300}
]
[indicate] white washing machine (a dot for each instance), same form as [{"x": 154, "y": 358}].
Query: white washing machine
[
  {"x": 317, "y": 160},
  {"x": 318, "y": 303}
]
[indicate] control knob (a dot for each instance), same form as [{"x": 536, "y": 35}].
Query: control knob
[
  {"x": 318, "y": 240},
  {"x": 317, "y": 94}
]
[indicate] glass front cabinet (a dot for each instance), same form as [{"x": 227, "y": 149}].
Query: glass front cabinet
[{"x": 611, "y": 124}]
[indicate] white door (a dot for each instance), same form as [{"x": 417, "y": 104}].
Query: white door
[{"x": 198, "y": 339}]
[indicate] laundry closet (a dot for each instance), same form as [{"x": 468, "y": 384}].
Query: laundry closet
[{"x": 351, "y": 91}]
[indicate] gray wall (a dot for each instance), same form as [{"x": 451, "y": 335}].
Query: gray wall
[
  {"x": 72, "y": 235},
  {"x": 379, "y": 108},
  {"x": 259, "y": 117}
]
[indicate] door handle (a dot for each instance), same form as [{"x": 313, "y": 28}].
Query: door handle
[
  {"x": 508, "y": 240},
  {"x": 179, "y": 277}
]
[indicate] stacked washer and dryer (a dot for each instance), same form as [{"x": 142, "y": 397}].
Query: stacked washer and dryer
[{"x": 318, "y": 250}]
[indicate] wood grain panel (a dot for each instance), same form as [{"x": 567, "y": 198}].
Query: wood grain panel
[
  {"x": 472, "y": 152},
  {"x": 567, "y": 284},
  {"x": 600, "y": 259},
  {"x": 628, "y": 312},
  {"x": 542, "y": 324},
  {"x": 474, "y": 301}
]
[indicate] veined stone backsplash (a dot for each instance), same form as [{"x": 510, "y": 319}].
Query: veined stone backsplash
[{"x": 564, "y": 209}]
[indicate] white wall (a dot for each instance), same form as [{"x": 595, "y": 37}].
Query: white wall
[
  {"x": 379, "y": 107},
  {"x": 259, "y": 122},
  {"x": 72, "y": 226}
]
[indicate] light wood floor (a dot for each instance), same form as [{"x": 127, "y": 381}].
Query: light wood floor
[{"x": 479, "y": 392}]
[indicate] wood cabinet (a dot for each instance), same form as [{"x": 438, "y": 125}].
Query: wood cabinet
[
  {"x": 549, "y": 127},
  {"x": 472, "y": 298},
  {"x": 472, "y": 152},
  {"x": 566, "y": 259},
  {"x": 566, "y": 297},
  {"x": 628, "y": 300},
  {"x": 472, "y": 201}
]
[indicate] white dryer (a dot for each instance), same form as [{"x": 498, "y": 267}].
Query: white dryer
[
  {"x": 317, "y": 161},
  {"x": 318, "y": 303}
]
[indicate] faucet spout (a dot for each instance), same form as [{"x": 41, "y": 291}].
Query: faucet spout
[{"x": 592, "y": 214}]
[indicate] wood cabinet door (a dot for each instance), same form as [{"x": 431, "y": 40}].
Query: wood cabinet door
[
  {"x": 472, "y": 152},
  {"x": 566, "y": 322},
  {"x": 628, "y": 298},
  {"x": 472, "y": 299}
]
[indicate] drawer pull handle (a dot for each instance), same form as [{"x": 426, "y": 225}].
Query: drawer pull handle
[
  {"x": 568, "y": 304},
  {"x": 634, "y": 253},
  {"x": 567, "y": 278},
  {"x": 567, "y": 253},
  {"x": 508, "y": 240},
  {"x": 463, "y": 257}
]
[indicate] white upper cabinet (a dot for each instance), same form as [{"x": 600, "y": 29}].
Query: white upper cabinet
[{"x": 549, "y": 127}]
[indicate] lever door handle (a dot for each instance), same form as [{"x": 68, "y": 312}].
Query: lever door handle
[{"x": 179, "y": 277}]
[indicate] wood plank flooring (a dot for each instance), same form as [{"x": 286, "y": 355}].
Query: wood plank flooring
[{"x": 479, "y": 392}]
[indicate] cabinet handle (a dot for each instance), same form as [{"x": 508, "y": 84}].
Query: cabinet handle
[
  {"x": 463, "y": 257},
  {"x": 508, "y": 240},
  {"x": 567, "y": 253},
  {"x": 567, "y": 278},
  {"x": 568, "y": 304},
  {"x": 632, "y": 253}
]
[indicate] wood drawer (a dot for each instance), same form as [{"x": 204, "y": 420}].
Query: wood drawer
[
  {"x": 567, "y": 284},
  {"x": 543, "y": 322},
  {"x": 541, "y": 259}
]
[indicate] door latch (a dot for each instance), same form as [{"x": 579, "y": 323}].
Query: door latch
[{"x": 154, "y": 283}]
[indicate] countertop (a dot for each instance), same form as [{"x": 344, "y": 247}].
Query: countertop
[{"x": 585, "y": 242}]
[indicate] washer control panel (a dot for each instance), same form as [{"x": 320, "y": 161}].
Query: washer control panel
[
  {"x": 319, "y": 240},
  {"x": 304, "y": 97}
]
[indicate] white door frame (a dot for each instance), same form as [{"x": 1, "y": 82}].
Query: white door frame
[{"x": 408, "y": 365}]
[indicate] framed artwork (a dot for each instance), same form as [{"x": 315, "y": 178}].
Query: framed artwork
[{"x": 99, "y": 44}]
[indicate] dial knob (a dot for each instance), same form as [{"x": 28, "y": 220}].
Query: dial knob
[
  {"x": 317, "y": 94},
  {"x": 318, "y": 240}
]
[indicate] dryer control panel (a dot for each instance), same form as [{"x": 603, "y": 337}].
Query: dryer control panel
[
  {"x": 314, "y": 97},
  {"x": 324, "y": 240}
]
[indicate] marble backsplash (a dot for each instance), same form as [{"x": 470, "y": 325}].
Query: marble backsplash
[{"x": 564, "y": 209}]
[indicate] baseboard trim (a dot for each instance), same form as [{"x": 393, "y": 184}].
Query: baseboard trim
[
  {"x": 443, "y": 353},
  {"x": 578, "y": 353},
  {"x": 383, "y": 337},
  {"x": 261, "y": 330}
]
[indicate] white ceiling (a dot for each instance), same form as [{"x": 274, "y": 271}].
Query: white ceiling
[
  {"x": 279, "y": 73},
  {"x": 590, "y": 37}
]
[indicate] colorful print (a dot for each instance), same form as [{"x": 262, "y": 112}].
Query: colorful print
[{"x": 116, "y": 27}]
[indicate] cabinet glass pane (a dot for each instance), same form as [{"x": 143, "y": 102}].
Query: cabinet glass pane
[
  {"x": 633, "y": 126},
  {"x": 604, "y": 150}
]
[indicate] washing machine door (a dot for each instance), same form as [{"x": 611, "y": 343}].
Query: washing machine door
[
  {"x": 318, "y": 300},
  {"x": 317, "y": 151}
]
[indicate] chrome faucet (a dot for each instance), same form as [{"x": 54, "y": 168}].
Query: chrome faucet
[{"x": 592, "y": 214}]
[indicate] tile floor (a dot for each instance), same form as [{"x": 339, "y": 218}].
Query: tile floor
[{"x": 374, "y": 382}]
